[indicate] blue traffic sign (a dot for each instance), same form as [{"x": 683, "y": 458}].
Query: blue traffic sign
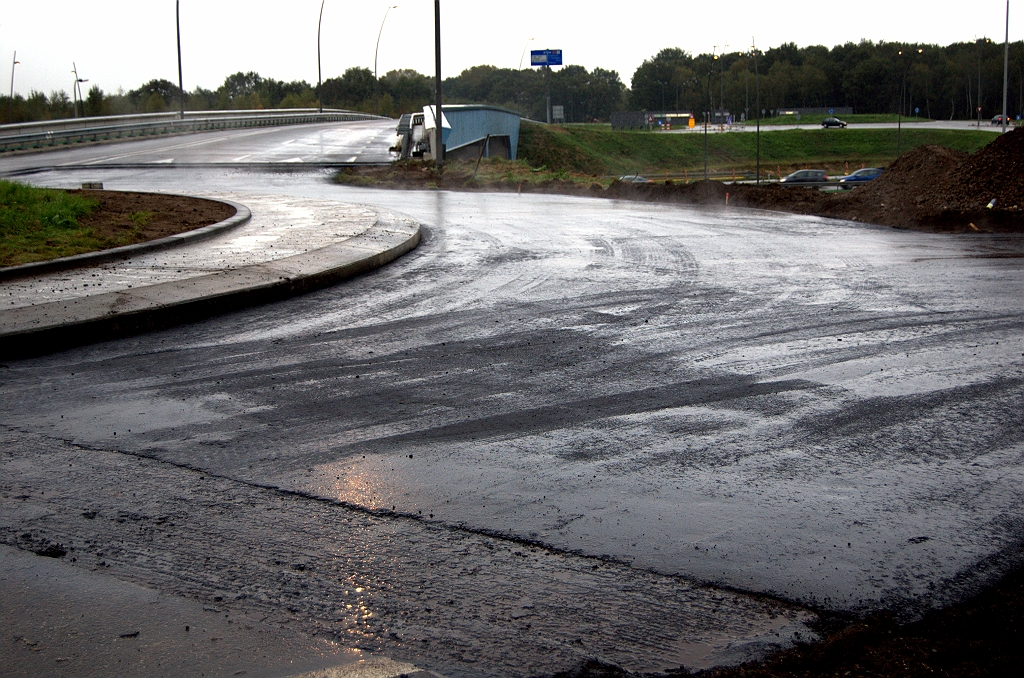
[
  {"x": 546, "y": 57},
  {"x": 916, "y": 110},
  {"x": 831, "y": 111}
]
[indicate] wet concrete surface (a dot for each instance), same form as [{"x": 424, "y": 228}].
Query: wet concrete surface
[
  {"x": 279, "y": 228},
  {"x": 103, "y": 626},
  {"x": 822, "y": 411}
]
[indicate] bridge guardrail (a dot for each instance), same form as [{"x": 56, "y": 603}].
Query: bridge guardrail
[{"x": 170, "y": 125}]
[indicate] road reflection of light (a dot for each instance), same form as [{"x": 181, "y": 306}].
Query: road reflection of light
[{"x": 362, "y": 488}]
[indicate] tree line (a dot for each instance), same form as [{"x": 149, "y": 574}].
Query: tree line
[{"x": 942, "y": 82}]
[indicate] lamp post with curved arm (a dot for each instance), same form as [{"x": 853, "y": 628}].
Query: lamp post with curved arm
[
  {"x": 524, "y": 52},
  {"x": 14, "y": 62},
  {"x": 76, "y": 90},
  {"x": 376, "y": 82}
]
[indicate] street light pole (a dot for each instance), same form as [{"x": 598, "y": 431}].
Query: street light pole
[
  {"x": 1006, "y": 62},
  {"x": 76, "y": 91},
  {"x": 757, "y": 104},
  {"x": 981, "y": 44},
  {"x": 319, "y": 72},
  {"x": 903, "y": 89},
  {"x": 721, "y": 98},
  {"x": 524, "y": 52},
  {"x": 376, "y": 83},
  {"x": 14, "y": 62},
  {"x": 181, "y": 89},
  {"x": 438, "y": 117},
  {"x": 711, "y": 70}
]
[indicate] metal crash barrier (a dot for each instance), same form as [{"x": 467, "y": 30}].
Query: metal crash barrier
[{"x": 28, "y": 136}]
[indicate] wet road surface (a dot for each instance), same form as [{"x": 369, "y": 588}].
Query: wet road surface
[
  {"x": 822, "y": 411},
  {"x": 364, "y": 141}
]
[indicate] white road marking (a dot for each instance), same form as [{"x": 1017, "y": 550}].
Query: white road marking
[
  {"x": 219, "y": 138},
  {"x": 353, "y": 158},
  {"x": 160, "y": 162},
  {"x": 293, "y": 160},
  {"x": 241, "y": 158}
]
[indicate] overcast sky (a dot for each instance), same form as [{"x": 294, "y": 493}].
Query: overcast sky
[{"x": 124, "y": 44}]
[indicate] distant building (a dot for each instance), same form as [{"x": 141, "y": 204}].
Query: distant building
[{"x": 650, "y": 119}]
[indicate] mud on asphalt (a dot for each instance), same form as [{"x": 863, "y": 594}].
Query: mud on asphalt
[{"x": 402, "y": 586}]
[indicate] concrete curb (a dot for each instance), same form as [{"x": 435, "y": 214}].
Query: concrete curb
[
  {"x": 242, "y": 215},
  {"x": 36, "y": 330}
]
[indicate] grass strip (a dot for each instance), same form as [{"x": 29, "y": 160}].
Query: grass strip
[
  {"x": 42, "y": 223},
  {"x": 596, "y": 151}
]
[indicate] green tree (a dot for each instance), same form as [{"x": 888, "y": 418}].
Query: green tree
[{"x": 95, "y": 102}]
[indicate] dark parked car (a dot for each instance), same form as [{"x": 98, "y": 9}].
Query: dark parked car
[
  {"x": 634, "y": 179},
  {"x": 805, "y": 177},
  {"x": 832, "y": 122},
  {"x": 860, "y": 176}
]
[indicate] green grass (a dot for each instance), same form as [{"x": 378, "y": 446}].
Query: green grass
[
  {"x": 40, "y": 223},
  {"x": 595, "y": 151}
]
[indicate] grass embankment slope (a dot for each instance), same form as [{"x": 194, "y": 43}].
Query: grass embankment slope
[{"x": 593, "y": 151}]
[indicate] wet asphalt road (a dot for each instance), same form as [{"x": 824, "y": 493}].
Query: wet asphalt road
[
  {"x": 364, "y": 142},
  {"x": 822, "y": 411}
]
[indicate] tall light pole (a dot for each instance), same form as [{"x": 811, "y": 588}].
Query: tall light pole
[
  {"x": 899, "y": 113},
  {"x": 319, "y": 73},
  {"x": 181, "y": 88},
  {"x": 14, "y": 62},
  {"x": 438, "y": 116},
  {"x": 981, "y": 44},
  {"x": 757, "y": 103},
  {"x": 721, "y": 98},
  {"x": 376, "y": 83},
  {"x": 76, "y": 90},
  {"x": 524, "y": 52},
  {"x": 1006, "y": 62},
  {"x": 711, "y": 104}
]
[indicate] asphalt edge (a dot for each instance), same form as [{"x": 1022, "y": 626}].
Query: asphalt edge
[
  {"x": 279, "y": 284},
  {"x": 242, "y": 214}
]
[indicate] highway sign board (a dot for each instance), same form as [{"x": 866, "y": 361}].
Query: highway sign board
[{"x": 545, "y": 57}]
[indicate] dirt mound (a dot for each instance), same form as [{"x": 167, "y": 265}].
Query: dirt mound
[
  {"x": 934, "y": 188},
  {"x": 928, "y": 188},
  {"x": 995, "y": 171}
]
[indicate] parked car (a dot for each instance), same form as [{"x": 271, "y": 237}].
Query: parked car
[
  {"x": 634, "y": 179},
  {"x": 805, "y": 177},
  {"x": 832, "y": 122},
  {"x": 860, "y": 176}
]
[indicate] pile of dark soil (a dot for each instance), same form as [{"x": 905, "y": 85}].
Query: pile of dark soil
[
  {"x": 983, "y": 636},
  {"x": 935, "y": 188},
  {"x": 930, "y": 188},
  {"x": 122, "y": 217}
]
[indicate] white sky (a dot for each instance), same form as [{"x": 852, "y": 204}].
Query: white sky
[{"x": 124, "y": 44}]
